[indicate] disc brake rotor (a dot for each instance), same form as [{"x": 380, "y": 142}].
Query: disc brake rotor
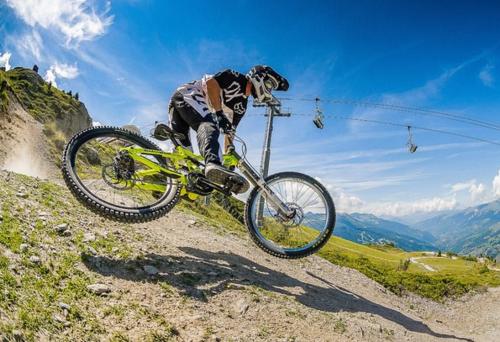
[
  {"x": 297, "y": 217},
  {"x": 120, "y": 174}
]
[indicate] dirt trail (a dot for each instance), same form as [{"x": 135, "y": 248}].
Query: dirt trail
[
  {"x": 427, "y": 267},
  {"x": 23, "y": 145},
  {"x": 255, "y": 297}
]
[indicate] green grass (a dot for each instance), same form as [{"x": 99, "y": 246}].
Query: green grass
[
  {"x": 4, "y": 97},
  {"x": 45, "y": 103},
  {"x": 214, "y": 215},
  {"x": 30, "y": 293},
  {"x": 453, "y": 277}
]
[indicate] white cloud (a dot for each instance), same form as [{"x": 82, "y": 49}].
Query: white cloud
[
  {"x": 420, "y": 206},
  {"x": 496, "y": 185},
  {"x": 477, "y": 191},
  {"x": 76, "y": 20},
  {"x": 50, "y": 77},
  {"x": 60, "y": 70},
  {"x": 486, "y": 76},
  {"x": 4, "y": 60},
  {"x": 346, "y": 202},
  {"x": 30, "y": 45},
  {"x": 463, "y": 185}
]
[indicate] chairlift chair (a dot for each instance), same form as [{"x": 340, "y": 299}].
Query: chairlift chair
[
  {"x": 318, "y": 119},
  {"x": 412, "y": 148}
]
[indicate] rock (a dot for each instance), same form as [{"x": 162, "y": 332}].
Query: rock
[
  {"x": 99, "y": 289},
  {"x": 62, "y": 228},
  {"x": 241, "y": 306},
  {"x": 151, "y": 270},
  {"x": 89, "y": 237},
  {"x": 59, "y": 318},
  {"x": 92, "y": 156},
  {"x": 64, "y": 306},
  {"x": 18, "y": 335},
  {"x": 43, "y": 215},
  {"x": 114, "y": 249},
  {"x": 35, "y": 260},
  {"x": 91, "y": 250},
  {"x": 191, "y": 222},
  {"x": 22, "y": 194},
  {"x": 23, "y": 247}
]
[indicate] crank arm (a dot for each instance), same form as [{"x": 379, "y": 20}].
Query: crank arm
[{"x": 225, "y": 190}]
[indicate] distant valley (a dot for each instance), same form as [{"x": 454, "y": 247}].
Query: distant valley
[{"x": 474, "y": 231}]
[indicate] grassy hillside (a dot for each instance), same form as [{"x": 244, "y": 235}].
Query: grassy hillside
[
  {"x": 44, "y": 102},
  {"x": 391, "y": 268},
  {"x": 61, "y": 114}
]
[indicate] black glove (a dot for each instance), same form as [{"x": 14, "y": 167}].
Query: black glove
[{"x": 223, "y": 121}]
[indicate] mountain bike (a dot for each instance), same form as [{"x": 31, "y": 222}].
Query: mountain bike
[{"x": 121, "y": 175}]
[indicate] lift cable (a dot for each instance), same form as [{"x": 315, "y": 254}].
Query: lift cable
[
  {"x": 396, "y": 124},
  {"x": 415, "y": 110}
]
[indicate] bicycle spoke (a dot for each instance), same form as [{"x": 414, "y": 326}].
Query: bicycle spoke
[
  {"x": 311, "y": 215},
  {"x": 99, "y": 175}
]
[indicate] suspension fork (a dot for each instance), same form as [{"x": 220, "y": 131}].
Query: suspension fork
[{"x": 257, "y": 181}]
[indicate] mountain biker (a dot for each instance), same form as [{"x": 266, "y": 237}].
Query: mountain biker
[{"x": 219, "y": 102}]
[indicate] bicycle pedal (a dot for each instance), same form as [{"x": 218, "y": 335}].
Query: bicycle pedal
[{"x": 238, "y": 185}]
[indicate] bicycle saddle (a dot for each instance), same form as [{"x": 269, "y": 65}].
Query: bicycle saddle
[{"x": 163, "y": 132}]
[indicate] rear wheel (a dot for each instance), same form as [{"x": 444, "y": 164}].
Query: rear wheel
[
  {"x": 291, "y": 237},
  {"x": 102, "y": 175}
]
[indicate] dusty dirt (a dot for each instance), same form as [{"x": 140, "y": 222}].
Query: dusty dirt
[
  {"x": 243, "y": 294},
  {"x": 23, "y": 145}
]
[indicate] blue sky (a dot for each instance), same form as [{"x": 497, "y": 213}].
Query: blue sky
[{"x": 125, "y": 58}]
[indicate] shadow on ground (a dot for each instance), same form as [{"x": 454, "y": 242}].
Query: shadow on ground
[{"x": 201, "y": 274}]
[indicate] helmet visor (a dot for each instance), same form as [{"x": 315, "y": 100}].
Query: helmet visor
[{"x": 270, "y": 84}]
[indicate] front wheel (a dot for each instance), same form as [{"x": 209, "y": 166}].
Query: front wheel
[{"x": 298, "y": 236}]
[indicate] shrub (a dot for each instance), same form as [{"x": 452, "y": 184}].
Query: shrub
[
  {"x": 403, "y": 265},
  {"x": 469, "y": 257}
]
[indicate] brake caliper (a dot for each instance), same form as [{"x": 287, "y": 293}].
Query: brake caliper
[{"x": 124, "y": 166}]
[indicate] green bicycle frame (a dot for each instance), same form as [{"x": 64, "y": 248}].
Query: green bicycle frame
[{"x": 184, "y": 161}]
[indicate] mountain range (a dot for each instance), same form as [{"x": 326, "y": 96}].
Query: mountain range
[
  {"x": 367, "y": 228},
  {"x": 475, "y": 230}
]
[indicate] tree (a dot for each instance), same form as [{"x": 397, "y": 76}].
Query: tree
[
  {"x": 50, "y": 87},
  {"x": 70, "y": 93},
  {"x": 3, "y": 86},
  {"x": 77, "y": 97},
  {"x": 439, "y": 253},
  {"x": 35, "y": 68},
  {"x": 403, "y": 265}
]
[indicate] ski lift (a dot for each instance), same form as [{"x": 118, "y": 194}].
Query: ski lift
[
  {"x": 412, "y": 148},
  {"x": 318, "y": 119}
]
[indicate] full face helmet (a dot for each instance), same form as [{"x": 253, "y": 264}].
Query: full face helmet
[{"x": 264, "y": 80}]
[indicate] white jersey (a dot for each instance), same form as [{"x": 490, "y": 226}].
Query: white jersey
[
  {"x": 232, "y": 94},
  {"x": 195, "y": 94}
]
